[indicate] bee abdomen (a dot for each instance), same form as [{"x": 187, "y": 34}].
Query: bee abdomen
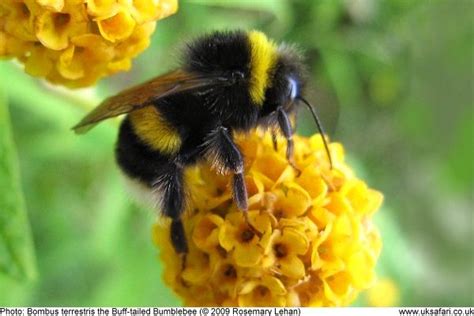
[
  {"x": 155, "y": 131},
  {"x": 136, "y": 159}
]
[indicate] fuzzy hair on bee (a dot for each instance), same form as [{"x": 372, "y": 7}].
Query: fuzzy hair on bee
[{"x": 228, "y": 82}]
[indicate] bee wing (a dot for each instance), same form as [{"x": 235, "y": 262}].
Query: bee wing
[{"x": 143, "y": 95}]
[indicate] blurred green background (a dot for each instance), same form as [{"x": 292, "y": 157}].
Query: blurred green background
[{"x": 392, "y": 80}]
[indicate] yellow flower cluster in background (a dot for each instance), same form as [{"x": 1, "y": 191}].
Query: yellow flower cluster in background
[
  {"x": 76, "y": 42},
  {"x": 310, "y": 242}
]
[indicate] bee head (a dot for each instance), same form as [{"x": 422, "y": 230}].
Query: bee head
[
  {"x": 287, "y": 81},
  {"x": 259, "y": 76}
]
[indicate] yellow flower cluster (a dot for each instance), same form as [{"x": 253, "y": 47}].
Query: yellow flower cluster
[
  {"x": 309, "y": 239},
  {"x": 76, "y": 42}
]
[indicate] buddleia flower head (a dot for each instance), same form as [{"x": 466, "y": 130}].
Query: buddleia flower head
[
  {"x": 309, "y": 239},
  {"x": 76, "y": 42}
]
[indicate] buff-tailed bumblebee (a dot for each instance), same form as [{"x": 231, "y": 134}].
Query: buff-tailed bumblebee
[{"x": 228, "y": 82}]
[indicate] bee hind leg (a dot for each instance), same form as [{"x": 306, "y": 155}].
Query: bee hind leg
[
  {"x": 171, "y": 189},
  {"x": 178, "y": 236},
  {"x": 178, "y": 240}
]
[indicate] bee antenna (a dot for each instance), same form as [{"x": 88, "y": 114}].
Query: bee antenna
[{"x": 320, "y": 127}]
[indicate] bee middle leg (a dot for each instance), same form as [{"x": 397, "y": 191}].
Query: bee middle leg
[{"x": 225, "y": 156}]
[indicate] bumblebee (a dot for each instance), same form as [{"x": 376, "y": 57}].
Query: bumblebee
[{"x": 228, "y": 82}]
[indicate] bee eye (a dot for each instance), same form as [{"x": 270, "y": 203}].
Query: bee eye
[{"x": 292, "y": 88}]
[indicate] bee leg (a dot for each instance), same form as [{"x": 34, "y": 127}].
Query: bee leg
[
  {"x": 240, "y": 197},
  {"x": 170, "y": 185},
  {"x": 224, "y": 155},
  {"x": 285, "y": 127},
  {"x": 274, "y": 140},
  {"x": 240, "y": 191},
  {"x": 178, "y": 240},
  {"x": 178, "y": 237}
]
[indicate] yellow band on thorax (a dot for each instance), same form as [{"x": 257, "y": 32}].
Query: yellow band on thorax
[
  {"x": 263, "y": 59},
  {"x": 153, "y": 129}
]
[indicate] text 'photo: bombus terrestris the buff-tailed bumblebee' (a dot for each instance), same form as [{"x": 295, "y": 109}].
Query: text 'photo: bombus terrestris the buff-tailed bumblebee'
[{"x": 228, "y": 82}]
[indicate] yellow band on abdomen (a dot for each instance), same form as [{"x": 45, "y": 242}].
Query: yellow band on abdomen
[
  {"x": 263, "y": 59},
  {"x": 153, "y": 129}
]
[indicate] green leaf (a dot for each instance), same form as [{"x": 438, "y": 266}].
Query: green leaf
[{"x": 17, "y": 258}]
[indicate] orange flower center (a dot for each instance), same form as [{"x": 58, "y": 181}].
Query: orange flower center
[
  {"x": 221, "y": 251},
  {"x": 247, "y": 235},
  {"x": 230, "y": 272},
  {"x": 262, "y": 291},
  {"x": 61, "y": 20},
  {"x": 25, "y": 12},
  {"x": 278, "y": 213},
  {"x": 280, "y": 250}
]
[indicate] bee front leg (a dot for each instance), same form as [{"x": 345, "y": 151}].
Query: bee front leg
[
  {"x": 225, "y": 156},
  {"x": 285, "y": 126}
]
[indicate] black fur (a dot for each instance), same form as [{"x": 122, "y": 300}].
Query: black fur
[
  {"x": 206, "y": 119},
  {"x": 178, "y": 237},
  {"x": 219, "y": 52},
  {"x": 226, "y": 54},
  {"x": 221, "y": 151}
]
